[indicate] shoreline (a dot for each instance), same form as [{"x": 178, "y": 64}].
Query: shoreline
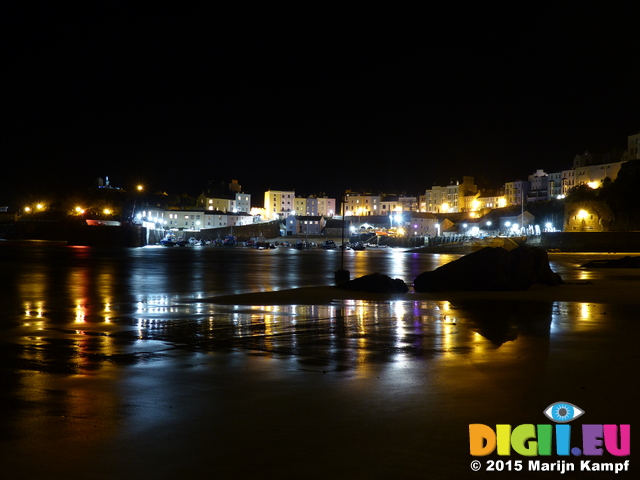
[{"x": 580, "y": 292}]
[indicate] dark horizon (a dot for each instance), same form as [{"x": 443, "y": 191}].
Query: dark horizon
[{"x": 395, "y": 101}]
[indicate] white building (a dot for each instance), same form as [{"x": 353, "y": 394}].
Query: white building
[
  {"x": 592, "y": 169},
  {"x": 184, "y": 219},
  {"x": 243, "y": 203},
  {"x": 192, "y": 220},
  {"x": 538, "y": 187},
  {"x": 422, "y": 224},
  {"x": 229, "y": 198},
  {"x": 593, "y": 175}
]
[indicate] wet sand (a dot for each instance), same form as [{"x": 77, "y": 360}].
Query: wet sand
[
  {"x": 385, "y": 387},
  {"x": 599, "y": 292}
]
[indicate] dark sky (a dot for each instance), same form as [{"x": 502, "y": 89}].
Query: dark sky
[{"x": 312, "y": 98}]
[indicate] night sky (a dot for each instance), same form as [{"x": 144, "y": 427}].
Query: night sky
[{"x": 316, "y": 98}]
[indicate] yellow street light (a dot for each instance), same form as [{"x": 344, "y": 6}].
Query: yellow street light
[
  {"x": 583, "y": 214},
  {"x": 107, "y": 211},
  {"x": 140, "y": 188},
  {"x": 39, "y": 206},
  {"x": 27, "y": 209}
]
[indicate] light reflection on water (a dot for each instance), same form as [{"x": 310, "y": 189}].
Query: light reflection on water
[
  {"x": 94, "y": 306},
  {"x": 109, "y": 350}
]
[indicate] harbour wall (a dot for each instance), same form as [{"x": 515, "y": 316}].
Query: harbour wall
[{"x": 108, "y": 236}]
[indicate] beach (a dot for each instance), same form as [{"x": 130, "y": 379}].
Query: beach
[{"x": 312, "y": 381}]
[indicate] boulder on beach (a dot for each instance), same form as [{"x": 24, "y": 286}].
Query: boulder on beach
[
  {"x": 376, "y": 283},
  {"x": 491, "y": 269}
]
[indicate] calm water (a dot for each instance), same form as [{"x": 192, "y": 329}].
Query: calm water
[
  {"x": 108, "y": 356},
  {"x": 91, "y": 305}
]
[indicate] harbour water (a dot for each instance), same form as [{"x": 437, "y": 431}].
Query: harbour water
[{"x": 114, "y": 365}]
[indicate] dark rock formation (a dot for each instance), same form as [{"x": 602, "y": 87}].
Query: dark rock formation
[
  {"x": 376, "y": 283},
  {"x": 624, "y": 262},
  {"x": 491, "y": 269}
]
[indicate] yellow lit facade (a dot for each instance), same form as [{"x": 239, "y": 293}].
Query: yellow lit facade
[
  {"x": 279, "y": 203},
  {"x": 361, "y": 205},
  {"x": 450, "y": 198}
]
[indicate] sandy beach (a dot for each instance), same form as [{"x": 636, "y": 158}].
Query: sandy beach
[
  {"x": 600, "y": 292},
  {"x": 313, "y": 382}
]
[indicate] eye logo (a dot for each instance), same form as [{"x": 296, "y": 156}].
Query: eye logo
[{"x": 562, "y": 412}]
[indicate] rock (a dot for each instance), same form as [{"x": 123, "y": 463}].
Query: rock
[
  {"x": 376, "y": 283},
  {"x": 491, "y": 269}
]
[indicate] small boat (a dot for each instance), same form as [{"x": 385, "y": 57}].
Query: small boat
[
  {"x": 329, "y": 245},
  {"x": 169, "y": 241},
  {"x": 230, "y": 241},
  {"x": 358, "y": 246}
]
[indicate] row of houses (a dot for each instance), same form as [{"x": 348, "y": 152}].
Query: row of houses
[
  {"x": 192, "y": 220},
  {"x": 420, "y": 224},
  {"x": 234, "y": 207},
  {"x": 283, "y": 203},
  {"x": 414, "y": 224},
  {"x": 588, "y": 168},
  {"x": 233, "y": 200}
]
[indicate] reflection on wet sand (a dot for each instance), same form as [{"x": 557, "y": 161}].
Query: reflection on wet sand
[
  {"x": 118, "y": 368},
  {"x": 337, "y": 336}
]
